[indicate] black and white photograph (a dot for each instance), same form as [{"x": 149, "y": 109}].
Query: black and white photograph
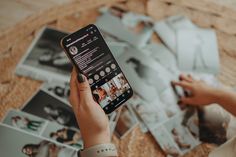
[
  {"x": 126, "y": 122},
  {"x": 45, "y": 59},
  {"x": 180, "y": 134},
  {"x": 167, "y": 29},
  {"x": 25, "y": 121},
  {"x": 59, "y": 89},
  {"x": 147, "y": 77},
  {"x": 165, "y": 141},
  {"x": 18, "y": 143},
  {"x": 201, "y": 53},
  {"x": 63, "y": 135},
  {"x": 136, "y": 33},
  {"x": 168, "y": 102},
  {"x": 150, "y": 113},
  {"x": 216, "y": 125},
  {"x": 44, "y": 105},
  {"x": 164, "y": 56}
]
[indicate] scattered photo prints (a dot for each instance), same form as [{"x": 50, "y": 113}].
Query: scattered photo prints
[
  {"x": 15, "y": 142},
  {"x": 116, "y": 19},
  {"x": 45, "y": 59},
  {"x": 167, "y": 29},
  {"x": 44, "y": 105},
  {"x": 25, "y": 121},
  {"x": 216, "y": 125},
  {"x": 58, "y": 89},
  {"x": 166, "y": 142},
  {"x": 201, "y": 52},
  {"x": 149, "y": 67},
  {"x": 44, "y": 128},
  {"x": 146, "y": 76}
]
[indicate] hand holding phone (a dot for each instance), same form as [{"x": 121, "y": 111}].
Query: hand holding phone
[{"x": 91, "y": 56}]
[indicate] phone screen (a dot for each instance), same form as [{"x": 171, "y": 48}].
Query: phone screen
[{"x": 91, "y": 56}]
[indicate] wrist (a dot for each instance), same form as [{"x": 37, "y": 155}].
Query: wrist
[
  {"x": 217, "y": 95},
  {"x": 97, "y": 138}
]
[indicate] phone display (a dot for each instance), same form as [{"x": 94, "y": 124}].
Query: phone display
[{"x": 91, "y": 56}]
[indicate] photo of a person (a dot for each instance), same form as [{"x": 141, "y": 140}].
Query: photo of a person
[
  {"x": 42, "y": 149},
  {"x": 49, "y": 107},
  {"x": 113, "y": 89},
  {"x": 45, "y": 58},
  {"x": 57, "y": 114},
  {"x": 67, "y": 136},
  {"x": 179, "y": 140},
  {"x": 15, "y": 142},
  {"x": 180, "y": 134},
  {"x": 26, "y": 123},
  {"x": 167, "y": 144},
  {"x": 59, "y": 89},
  {"x": 148, "y": 113},
  {"x": 101, "y": 96},
  {"x": 46, "y": 149},
  {"x": 147, "y": 74}
]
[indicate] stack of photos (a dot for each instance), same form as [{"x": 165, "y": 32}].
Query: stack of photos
[{"x": 15, "y": 142}]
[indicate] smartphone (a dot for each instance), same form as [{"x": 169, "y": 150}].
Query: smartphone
[{"x": 91, "y": 56}]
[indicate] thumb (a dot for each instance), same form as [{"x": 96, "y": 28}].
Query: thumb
[{"x": 85, "y": 93}]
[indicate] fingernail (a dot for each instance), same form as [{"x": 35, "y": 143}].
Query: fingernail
[{"x": 80, "y": 78}]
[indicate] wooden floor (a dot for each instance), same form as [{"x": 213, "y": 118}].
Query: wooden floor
[{"x": 21, "y": 19}]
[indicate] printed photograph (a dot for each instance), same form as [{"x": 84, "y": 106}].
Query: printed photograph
[
  {"x": 168, "y": 102},
  {"x": 25, "y": 121},
  {"x": 63, "y": 135},
  {"x": 59, "y": 89},
  {"x": 150, "y": 113},
  {"x": 44, "y": 105},
  {"x": 45, "y": 58},
  {"x": 146, "y": 76},
  {"x": 216, "y": 125},
  {"x": 180, "y": 134},
  {"x": 135, "y": 29},
  {"x": 17, "y": 143},
  {"x": 126, "y": 122},
  {"x": 166, "y": 142},
  {"x": 111, "y": 90}
]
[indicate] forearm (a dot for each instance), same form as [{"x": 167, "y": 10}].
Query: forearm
[{"x": 227, "y": 99}]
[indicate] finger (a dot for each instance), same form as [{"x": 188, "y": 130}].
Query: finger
[
  {"x": 186, "y": 101},
  {"x": 85, "y": 93},
  {"x": 74, "y": 93},
  {"x": 183, "y": 84},
  {"x": 183, "y": 77}
]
